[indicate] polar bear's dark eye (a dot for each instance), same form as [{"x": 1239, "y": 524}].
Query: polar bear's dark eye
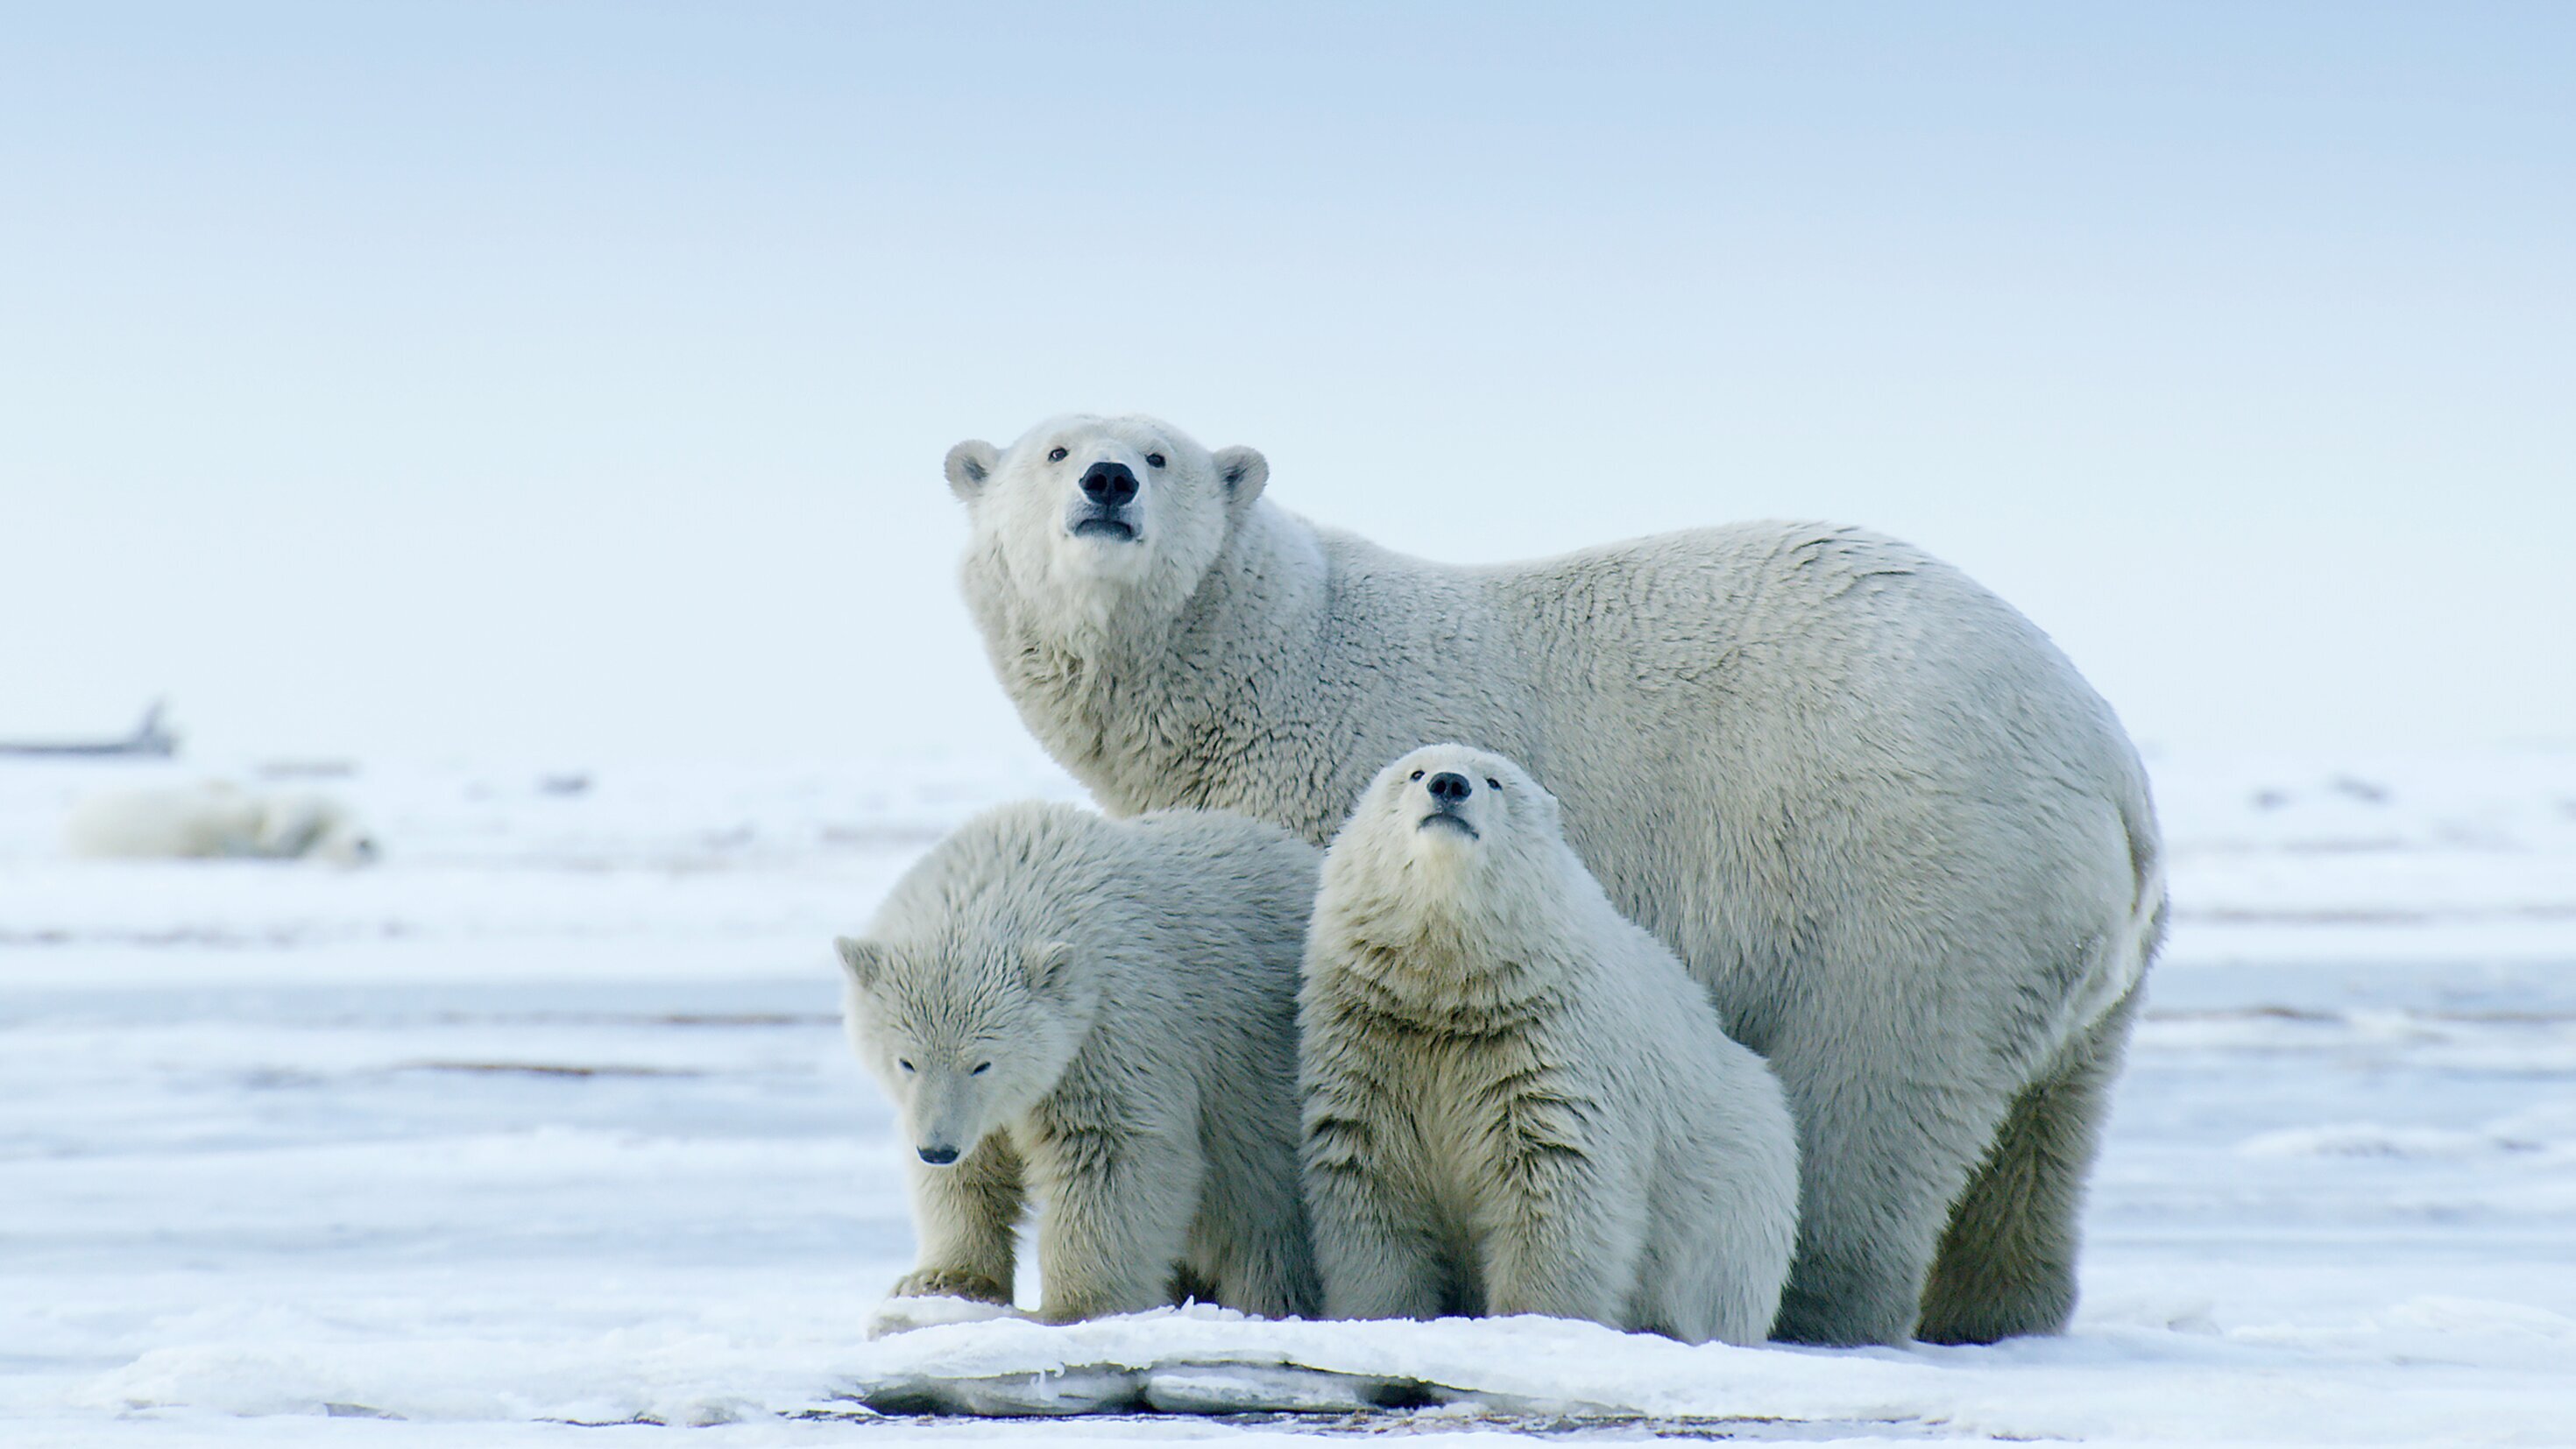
[
  {"x": 1056, "y": 456},
  {"x": 1490, "y": 780},
  {"x": 900, "y": 1062},
  {"x": 980, "y": 1069},
  {"x": 1417, "y": 774},
  {"x": 1156, "y": 459}
]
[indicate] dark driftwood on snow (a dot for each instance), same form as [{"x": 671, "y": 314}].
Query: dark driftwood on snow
[{"x": 150, "y": 737}]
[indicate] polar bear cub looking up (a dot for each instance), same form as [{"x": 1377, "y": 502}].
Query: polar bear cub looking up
[
  {"x": 1516, "y": 1101},
  {"x": 1103, "y": 1013},
  {"x": 216, "y": 820}
]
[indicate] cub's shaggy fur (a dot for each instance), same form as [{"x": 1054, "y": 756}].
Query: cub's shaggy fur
[
  {"x": 1875, "y": 812},
  {"x": 1103, "y": 1013},
  {"x": 1516, "y": 1100}
]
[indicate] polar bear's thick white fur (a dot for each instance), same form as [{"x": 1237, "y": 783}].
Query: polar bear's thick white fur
[
  {"x": 1516, "y": 1101},
  {"x": 1871, "y": 807},
  {"x": 212, "y": 820},
  {"x": 1102, "y": 1013}
]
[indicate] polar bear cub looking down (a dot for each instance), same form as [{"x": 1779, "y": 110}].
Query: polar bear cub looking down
[
  {"x": 216, "y": 820},
  {"x": 1104, "y": 1013},
  {"x": 1516, "y": 1100}
]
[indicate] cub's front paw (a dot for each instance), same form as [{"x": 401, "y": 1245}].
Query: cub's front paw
[{"x": 950, "y": 1283}]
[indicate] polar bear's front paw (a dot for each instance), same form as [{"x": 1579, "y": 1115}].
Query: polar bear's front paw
[{"x": 950, "y": 1283}]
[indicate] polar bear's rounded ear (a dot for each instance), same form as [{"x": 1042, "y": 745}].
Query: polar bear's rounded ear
[
  {"x": 1048, "y": 965},
  {"x": 969, "y": 464},
  {"x": 1243, "y": 471},
  {"x": 865, "y": 960}
]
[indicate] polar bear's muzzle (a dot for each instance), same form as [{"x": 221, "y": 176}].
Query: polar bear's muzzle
[
  {"x": 1106, "y": 510},
  {"x": 1449, "y": 791}
]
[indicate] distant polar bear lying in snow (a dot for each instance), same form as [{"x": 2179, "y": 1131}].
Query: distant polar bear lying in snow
[{"x": 215, "y": 820}]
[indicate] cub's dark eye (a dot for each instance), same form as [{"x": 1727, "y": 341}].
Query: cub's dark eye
[
  {"x": 900, "y": 1062},
  {"x": 1417, "y": 774},
  {"x": 1490, "y": 780},
  {"x": 980, "y": 1069},
  {"x": 1055, "y": 455},
  {"x": 1154, "y": 459}
]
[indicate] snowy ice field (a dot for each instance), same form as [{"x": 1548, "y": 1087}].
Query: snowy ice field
[{"x": 546, "y": 1123}]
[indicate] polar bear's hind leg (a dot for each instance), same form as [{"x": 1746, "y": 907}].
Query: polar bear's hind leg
[{"x": 2007, "y": 1261}]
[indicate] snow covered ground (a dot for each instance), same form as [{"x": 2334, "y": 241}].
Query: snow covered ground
[{"x": 546, "y": 1122}]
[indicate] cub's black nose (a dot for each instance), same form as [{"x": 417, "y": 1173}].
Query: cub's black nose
[
  {"x": 1449, "y": 786},
  {"x": 939, "y": 1156},
  {"x": 1108, "y": 484}
]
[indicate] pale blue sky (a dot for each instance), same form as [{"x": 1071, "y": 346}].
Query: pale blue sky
[{"x": 572, "y": 378}]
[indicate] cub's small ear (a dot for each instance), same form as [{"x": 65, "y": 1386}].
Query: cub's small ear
[
  {"x": 969, "y": 464},
  {"x": 1244, "y": 471},
  {"x": 865, "y": 960},
  {"x": 1049, "y": 965}
]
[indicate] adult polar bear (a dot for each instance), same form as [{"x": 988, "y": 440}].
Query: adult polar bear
[{"x": 1909, "y": 851}]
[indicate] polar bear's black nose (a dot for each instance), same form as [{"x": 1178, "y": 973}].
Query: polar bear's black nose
[
  {"x": 939, "y": 1156},
  {"x": 1449, "y": 786},
  {"x": 1108, "y": 484}
]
